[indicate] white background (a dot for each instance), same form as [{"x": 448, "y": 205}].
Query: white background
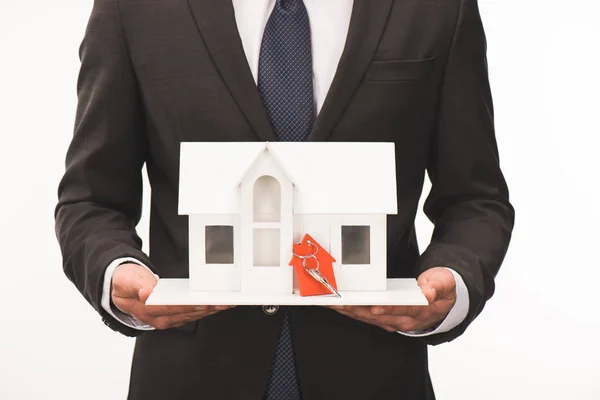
[{"x": 538, "y": 338}]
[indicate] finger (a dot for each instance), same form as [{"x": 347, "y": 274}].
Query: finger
[
  {"x": 431, "y": 292},
  {"x": 356, "y": 317},
  {"x": 170, "y": 321},
  {"x": 129, "y": 279},
  {"x": 389, "y": 328},
  {"x": 362, "y": 313},
  {"x": 337, "y": 308},
  {"x": 367, "y": 318},
  {"x": 370, "y": 321},
  {"x": 437, "y": 283},
  {"x": 402, "y": 324},
  {"x": 435, "y": 291},
  {"x": 144, "y": 293},
  {"x": 150, "y": 318},
  {"x": 436, "y": 273},
  {"x": 126, "y": 305},
  {"x": 410, "y": 311},
  {"x": 161, "y": 311},
  {"x": 359, "y": 310},
  {"x": 153, "y": 312},
  {"x": 224, "y": 308},
  {"x": 425, "y": 277}
]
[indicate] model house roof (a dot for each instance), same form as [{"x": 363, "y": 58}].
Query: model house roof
[{"x": 329, "y": 177}]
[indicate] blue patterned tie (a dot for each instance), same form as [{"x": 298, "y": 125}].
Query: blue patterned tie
[
  {"x": 285, "y": 75},
  {"x": 285, "y": 82}
]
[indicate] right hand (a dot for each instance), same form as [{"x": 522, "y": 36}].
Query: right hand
[{"x": 131, "y": 287}]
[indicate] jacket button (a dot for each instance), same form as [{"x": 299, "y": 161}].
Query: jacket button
[{"x": 270, "y": 310}]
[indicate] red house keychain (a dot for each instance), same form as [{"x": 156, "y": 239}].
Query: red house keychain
[{"x": 314, "y": 268}]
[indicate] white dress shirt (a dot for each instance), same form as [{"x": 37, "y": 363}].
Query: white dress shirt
[{"x": 329, "y": 23}]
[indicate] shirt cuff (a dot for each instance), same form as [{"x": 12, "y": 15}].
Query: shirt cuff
[
  {"x": 457, "y": 314},
  {"x": 107, "y": 304}
]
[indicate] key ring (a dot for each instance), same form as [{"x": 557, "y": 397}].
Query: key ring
[{"x": 313, "y": 255}]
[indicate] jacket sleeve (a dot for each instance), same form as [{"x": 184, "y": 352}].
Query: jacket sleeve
[
  {"x": 469, "y": 202},
  {"x": 100, "y": 194}
]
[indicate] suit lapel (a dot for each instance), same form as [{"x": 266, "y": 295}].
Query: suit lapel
[
  {"x": 367, "y": 24},
  {"x": 215, "y": 20}
]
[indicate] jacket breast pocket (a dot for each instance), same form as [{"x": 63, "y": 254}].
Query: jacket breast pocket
[{"x": 399, "y": 70}]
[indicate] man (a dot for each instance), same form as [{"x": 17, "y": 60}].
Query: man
[{"x": 156, "y": 73}]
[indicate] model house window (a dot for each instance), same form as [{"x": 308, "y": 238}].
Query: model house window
[
  {"x": 356, "y": 245},
  {"x": 267, "y": 200},
  {"x": 219, "y": 244}
]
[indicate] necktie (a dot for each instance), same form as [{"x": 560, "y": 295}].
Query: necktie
[
  {"x": 286, "y": 90},
  {"x": 285, "y": 75}
]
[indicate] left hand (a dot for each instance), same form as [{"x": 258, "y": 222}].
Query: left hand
[{"x": 438, "y": 286}]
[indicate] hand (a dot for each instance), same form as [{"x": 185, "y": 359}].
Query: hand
[
  {"x": 438, "y": 286},
  {"x": 131, "y": 287}
]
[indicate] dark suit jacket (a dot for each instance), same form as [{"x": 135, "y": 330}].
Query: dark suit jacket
[{"x": 156, "y": 73}]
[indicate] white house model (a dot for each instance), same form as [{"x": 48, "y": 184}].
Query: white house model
[{"x": 249, "y": 202}]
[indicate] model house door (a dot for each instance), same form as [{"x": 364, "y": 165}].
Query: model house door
[{"x": 266, "y": 223}]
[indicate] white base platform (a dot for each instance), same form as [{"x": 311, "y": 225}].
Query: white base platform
[{"x": 400, "y": 292}]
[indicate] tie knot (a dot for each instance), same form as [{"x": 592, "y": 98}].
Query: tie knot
[{"x": 288, "y": 5}]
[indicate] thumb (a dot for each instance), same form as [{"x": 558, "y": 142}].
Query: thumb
[
  {"x": 432, "y": 290},
  {"x": 144, "y": 293},
  {"x": 132, "y": 281},
  {"x": 437, "y": 284}
]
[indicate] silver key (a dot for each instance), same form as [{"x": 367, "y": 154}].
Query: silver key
[
  {"x": 314, "y": 272},
  {"x": 323, "y": 281}
]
